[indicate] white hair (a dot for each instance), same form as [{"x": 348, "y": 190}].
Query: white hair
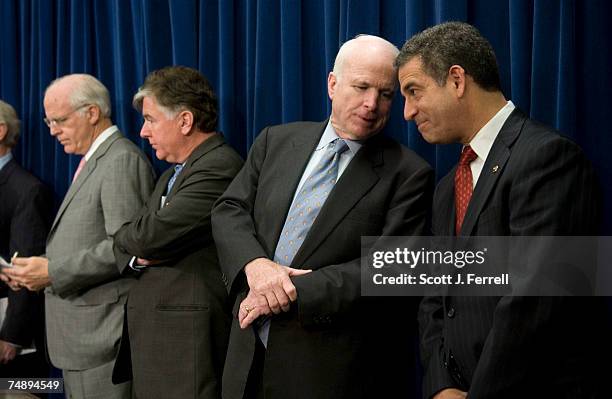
[{"x": 87, "y": 90}]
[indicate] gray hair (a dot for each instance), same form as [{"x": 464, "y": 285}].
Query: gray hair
[
  {"x": 178, "y": 88},
  {"x": 8, "y": 116},
  {"x": 87, "y": 90}
]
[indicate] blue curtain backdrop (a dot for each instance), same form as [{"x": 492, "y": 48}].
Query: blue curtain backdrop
[{"x": 268, "y": 62}]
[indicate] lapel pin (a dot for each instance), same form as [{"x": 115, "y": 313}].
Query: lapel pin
[{"x": 495, "y": 168}]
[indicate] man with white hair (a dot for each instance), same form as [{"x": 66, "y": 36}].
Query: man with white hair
[
  {"x": 288, "y": 233},
  {"x": 85, "y": 293}
]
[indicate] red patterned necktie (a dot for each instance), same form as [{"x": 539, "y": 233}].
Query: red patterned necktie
[
  {"x": 463, "y": 185},
  {"x": 79, "y": 169}
]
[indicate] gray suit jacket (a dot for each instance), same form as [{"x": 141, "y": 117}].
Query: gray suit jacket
[{"x": 84, "y": 304}]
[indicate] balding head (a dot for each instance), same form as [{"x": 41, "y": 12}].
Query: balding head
[{"x": 363, "y": 46}]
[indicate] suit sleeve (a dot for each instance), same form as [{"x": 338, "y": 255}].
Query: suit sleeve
[
  {"x": 29, "y": 227},
  {"x": 554, "y": 194},
  {"x": 334, "y": 290},
  {"x": 232, "y": 219},
  {"x": 126, "y": 185},
  {"x": 183, "y": 225}
]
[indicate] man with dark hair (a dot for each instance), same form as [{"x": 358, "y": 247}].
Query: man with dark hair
[
  {"x": 25, "y": 216},
  {"x": 515, "y": 177},
  {"x": 178, "y": 319},
  {"x": 289, "y": 230},
  {"x": 85, "y": 291}
]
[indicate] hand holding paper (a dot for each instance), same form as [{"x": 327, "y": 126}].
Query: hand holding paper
[{"x": 32, "y": 273}]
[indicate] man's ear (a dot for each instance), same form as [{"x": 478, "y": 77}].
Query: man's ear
[
  {"x": 332, "y": 80},
  {"x": 93, "y": 114},
  {"x": 185, "y": 121},
  {"x": 456, "y": 79}
]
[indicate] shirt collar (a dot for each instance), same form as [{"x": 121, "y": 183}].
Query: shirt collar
[
  {"x": 483, "y": 140},
  {"x": 99, "y": 140},
  {"x": 330, "y": 135},
  {"x": 6, "y": 158}
]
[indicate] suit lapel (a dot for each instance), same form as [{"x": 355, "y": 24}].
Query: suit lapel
[
  {"x": 6, "y": 171},
  {"x": 292, "y": 164},
  {"x": 87, "y": 171},
  {"x": 492, "y": 170},
  {"x": 444, "y": 206},
  {"x": 358, "y": 178},
  {"x": 160, "y": 188}
]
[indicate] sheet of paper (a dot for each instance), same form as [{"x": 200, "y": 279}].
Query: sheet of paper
[{"x": 4, "y": 263}]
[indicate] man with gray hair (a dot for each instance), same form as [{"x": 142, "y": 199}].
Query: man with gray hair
[
  {"x": 178, "y": 320},
  {"x": 85, "y": 292},
  {"x": 24, "y": 222},
  {"x": 288, "y": 230}
]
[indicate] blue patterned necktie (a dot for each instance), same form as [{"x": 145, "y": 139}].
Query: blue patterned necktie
[
  {"x": 177, "y": 171},
  {"x": 306, "y": 206},
  {"x": 308, "y": 203}
]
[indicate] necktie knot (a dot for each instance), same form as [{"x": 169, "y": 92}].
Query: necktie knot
[
  {"x": 339, "y": 146},
  {"x": 467, "y": 156}
]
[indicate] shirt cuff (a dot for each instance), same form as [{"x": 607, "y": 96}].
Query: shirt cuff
[{"x": 135, "y": 266}]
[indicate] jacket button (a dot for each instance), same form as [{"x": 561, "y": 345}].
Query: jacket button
[{"x": 451, "y": 313}]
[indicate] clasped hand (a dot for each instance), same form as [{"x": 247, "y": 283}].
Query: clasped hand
[
  {"x": 270, "y": 290},
  {"x": 32, "y": 273}
]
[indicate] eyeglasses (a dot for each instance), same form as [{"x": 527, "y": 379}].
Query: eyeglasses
[{"x": 60, "y": 121}]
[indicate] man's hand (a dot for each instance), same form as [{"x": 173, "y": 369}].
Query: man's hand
[
  {"x": 450, "y": 393},
  {"x": 32, "y": 273},
  {"x": 273, "y": 282},
  {"x": 12, "y": 284},
  {"x": 7, "y": 352},
  {"x": 251, "y": 307}
]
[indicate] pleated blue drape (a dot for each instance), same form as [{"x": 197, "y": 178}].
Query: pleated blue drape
[{"x": 268, "y": 62}]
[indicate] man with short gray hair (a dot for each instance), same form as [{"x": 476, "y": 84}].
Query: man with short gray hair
[{"x": 85, "y": 292}]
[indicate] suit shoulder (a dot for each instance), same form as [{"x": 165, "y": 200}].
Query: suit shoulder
[
  {"x": 292, "y": 127},
  {"x": 289, "y": 130},
  {"x": 223, "y": 157},
  {"x": 538, "y": 139},
  {"x": 125, "y": 148},
  {"x": 25, "y": 180}
]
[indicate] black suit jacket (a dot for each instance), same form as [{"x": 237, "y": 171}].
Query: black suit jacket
[
  {"x": 533, "y": 183},
  {"x": 177, "y": 312},
  {"x": 333, "y": 343},
  {"x": 25, "y": 216}
]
